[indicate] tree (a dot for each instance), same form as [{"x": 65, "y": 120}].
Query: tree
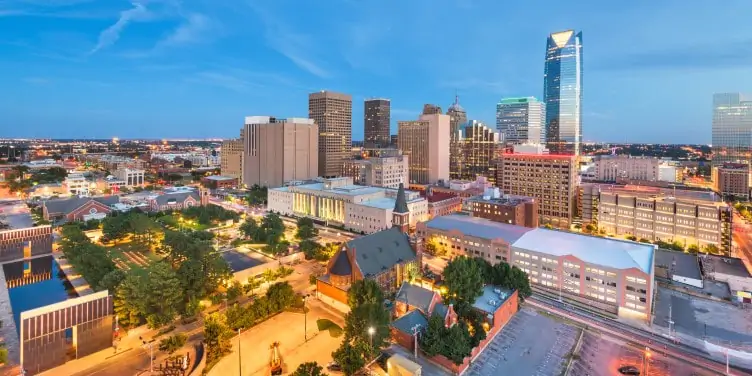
[
  {"x": 364, "y": 317},
  {"x": 434, "y": 247},
  {"x": 165, "y": 295},
  {"x": 349, "y": 357},
  {"x": 457, "y": 343},
  {"x": 693, "y": 248},
  {"x": 432, "y": 339},
  {"x": 252, "y": 285},
  {"x": 249, "y": 228},
  {"x": 129, "y": 301},
  {"x": 364, "y": 291},
  {"x": 172, "y": 343},
  {"x": 281, "y": 296},
  {"x": 463, "y": 279},
  {"x": 309, "y": 369},
  {"x": 234, "y": 291},
  {"x": 216, "y": 337},
  {"x": 306, "y": 229},
  {"x": 111, "y": 280},
  {"x": 511, "y": 277},
  {"x": 632, "y": 238},
  {"x": 711, "y": 248}
]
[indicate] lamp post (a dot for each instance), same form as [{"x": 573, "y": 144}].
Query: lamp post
[
  {"x": 305, "y": 318},
  {"x": 150, "y": 344},
  {"x": 240, "y": 359},
  {"x": 647, "y": 360},
  {"x": 371, "y": 330}
]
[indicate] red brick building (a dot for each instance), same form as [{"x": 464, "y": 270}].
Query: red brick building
[
  {"x": 514, "y": 210},
  {"x": 178, "y": 199},
  {"x": 78, "y": 208},
  {"x": 441, "y": 203}
]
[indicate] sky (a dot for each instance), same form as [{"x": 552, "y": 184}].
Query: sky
[{"x": 196, "y": 68}]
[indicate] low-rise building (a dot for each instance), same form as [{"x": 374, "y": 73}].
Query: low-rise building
[
  {"x": 678, "y": 267},
  {"x": 658, "y": 214},
  {"x": 441, "y": 203},
  {"x": 178, "y": 198},
  {"x": 514, "y": 210},
  {"x": 609, "y": 274},
  {"x": 133, "y": 177},
  {"x": 338, "y": 201},
  {"x": 388, "y": 171},
  {"x": 78, "y": 208},
  {"x": 219, "y": 181},
  {"x": 732, "y": 271},
  {"x": 76, "y": 184},
  {"x": 732, "y": 180}
]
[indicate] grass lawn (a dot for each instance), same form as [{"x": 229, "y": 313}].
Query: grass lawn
[
  {"x": 325, "y": 324},
  {"x": 173, "y": 222},
  {"x": 131, "y": 256}
]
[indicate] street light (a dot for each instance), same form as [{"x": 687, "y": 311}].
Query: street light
[
  {"x": 240, "y": 359},
  {"x": 305, "y": 318},
  {"x": 150, "y": 344},
  {"x": 371, "y": 330},
  {"x": 647, "y": 360}
]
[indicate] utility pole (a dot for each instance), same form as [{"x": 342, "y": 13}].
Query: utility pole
[
  {"x": 240, "y": 358},
  {"x": 150, "y": 344},
  {"x": 415, "y": 336}
]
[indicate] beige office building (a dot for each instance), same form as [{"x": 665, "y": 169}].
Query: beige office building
[
  {"x": 551, "y": 179},
  {"x": 332, "y": 112},
  {"x": 732, "y": 180},
  {"x": 279, "y": 151},
  {"x": 387, "y": 172},
  {"x": 658, "y": 214},
  {"x": 231, "y": 158},
  {"x": 478, "y": 146},
  {"x": 426, "y": 142}
]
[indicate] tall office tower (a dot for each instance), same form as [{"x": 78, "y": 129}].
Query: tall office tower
[
  {"x": 520, "y": 120},
  {"x": 732, "y": 128},
  {"x": 231, "y": 159},
  {"x": 333, "y": 114},
  {"x": 478, "y": 146},
  {"x": 279, "y": 151},
  {"x": 426, "y": 143},
  {"x": 430, "y": 109},
  {"x": 376, "y": 117},
  {"x": 562, "y": 92},
  {"x": 551, "y": 179},
  {"x": 457, "y": 118}
]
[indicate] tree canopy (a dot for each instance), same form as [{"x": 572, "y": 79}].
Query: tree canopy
[
  {"x": 309, "y": 369},
  {"x": 463, "y": 279}
]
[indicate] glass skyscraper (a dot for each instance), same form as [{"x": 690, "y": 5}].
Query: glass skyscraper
[
  {"x": 520, "y": 120},
  {"x": 732, "y": 128},
  {"x": 562, "y": 92}
]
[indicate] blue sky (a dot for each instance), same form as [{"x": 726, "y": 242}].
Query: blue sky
[{"x": 195, "y": 68}]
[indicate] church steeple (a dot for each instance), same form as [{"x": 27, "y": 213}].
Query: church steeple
[{"x": 401, "y": 213}]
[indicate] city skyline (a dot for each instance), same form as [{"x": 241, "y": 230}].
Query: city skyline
[{"x": 160, "y": 70}]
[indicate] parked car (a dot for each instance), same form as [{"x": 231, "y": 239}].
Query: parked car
[
  {"x": 629, "y": 370},
  {"x": 334, "y": 366}
]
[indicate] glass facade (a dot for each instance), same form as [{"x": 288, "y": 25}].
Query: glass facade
[
  {"x": 520, "y": 120},
  {"x": 732, "y": 128},
  {"x": 562, "y": 92}
]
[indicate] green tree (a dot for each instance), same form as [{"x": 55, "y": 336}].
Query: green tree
[
  {"x": 363, "y": 317},
  {"x": 306, "y": 229},
  {"x": 463, "y": 279},
  {"x": 251, "y": 286},
  {"x": 434, "y": 247},
  {"x": 111, "y": 280},
  {"x": 364, "y": 291},
  {"x": 129, "y": 301},
  {"x": 511, "y": 277},
  {"x": 711, "y": 248},
  {"x": 457, "y": 344},
  {"x": 216, "y": 337},
  {"x": 349, "y": 357},
  {"x": 234, "y": 291},
  {"x": 172, "y": 343},
  {"x": 432, "y": 339},
  {"x": 309, "y": 369},
  {"x": 269, "y": 275},
  {"x": 693, "y": 248},
  {"x": 115, "y": 228},
  {"x": 165, "y": 295},
  {"x": 281, "y": 296},
  {"x": 249, "y": 228}
]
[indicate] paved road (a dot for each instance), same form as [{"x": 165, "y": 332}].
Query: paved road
[
  {"x": 742, "y": 240},
  {"x": 634, "y": 335}
]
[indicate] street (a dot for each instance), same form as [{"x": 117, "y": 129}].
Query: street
[{"x": 742, "y": 240}]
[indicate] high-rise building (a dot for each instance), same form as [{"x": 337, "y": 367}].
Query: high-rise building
[
  {"x": 732, "y": 128},
  {"x": 732, "y": 180},
  {"x": 426, "y": 142},
  {"x": 457, "y": 118},
  {"x": 231, "y": 158},
  {"x": 332, "y": 112},
  {"x": 478, "y": 145},
  {"x": 430, "y": 109},
  {"x": 520, "y": 120},
  {"x": 279, "y": 151},
  {"x": 562, "y": 92},
  {"x": 376, "y": 118},
  {"x": 551, "y": 179}
]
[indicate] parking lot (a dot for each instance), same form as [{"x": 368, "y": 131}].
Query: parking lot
[
  {"x": 530, "y": 344},
  {"x": 603, "y": 356}
]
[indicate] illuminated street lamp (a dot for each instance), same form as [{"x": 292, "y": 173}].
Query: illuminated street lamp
[
  {"x": 648, "y": 354},
  {"x": 371, "y": 330}
]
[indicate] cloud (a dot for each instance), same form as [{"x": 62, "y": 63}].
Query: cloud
[
  {"x": 296, "y": 47},
  {"x": 194, "y": 29},
  {"x": 110, "y": 35}
]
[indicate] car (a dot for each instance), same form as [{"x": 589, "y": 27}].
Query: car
[
  {"x": 629, "y": 370},
  {"x": 333, "y": 366}
]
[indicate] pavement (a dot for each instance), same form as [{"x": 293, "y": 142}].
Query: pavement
[
  {"x": 288, "y": 329},
  {"x": 428, "y": 368},
  {"x": 742, "y": 240},
  {"x": 520, "y": 348},
  {"x": 437, "y": 264}
]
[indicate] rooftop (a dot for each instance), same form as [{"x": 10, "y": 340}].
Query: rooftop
[
  {"x": 478, "y": 227},
  {"x": 219, "y": 178},
  {"x": 725, "y": 265},
  {"x": 350, "y": 190},
  {"x": 380, "y": 251},
  {"x": 437, "y": 196},
  {"x": 613, "y": 253},
  {"x": 415, "y": 296},
  {"x": 665, "y": 194},
  {"x": 492, "y": 298},
  {"x": 678, "y": 263},
  {"x": 407, "y": 322}
]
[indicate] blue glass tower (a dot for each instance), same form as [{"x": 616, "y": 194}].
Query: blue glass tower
[{"x": 562, "y": 92}]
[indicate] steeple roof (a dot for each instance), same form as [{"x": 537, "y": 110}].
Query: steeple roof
[{"x": 400, "y": 204}]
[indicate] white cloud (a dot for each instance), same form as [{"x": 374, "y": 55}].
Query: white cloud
[
  {"x": 192, "y": 30},
  {"x": 110, "y": 35}
]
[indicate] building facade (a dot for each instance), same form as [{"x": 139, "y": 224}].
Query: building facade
[
  {"x": 477, "y": 148},
  {"x": 133, "y": 177},
  {"x": 387, "y": 172},
  {"x": 278, "y": 151},
  {"x": 332, "y": 113},
  {"x": 513, "y": 210},
  {"x": 550, "y": 179},
  {"x": 441, "y": 203},
  {"x": 732, "y": 180},
  {"x": 732, "y": 128},
  {"x": 604, "y": 273},
  {"x": 562, "y": 92},
  {"x": 25, "y": 242},
  {"x": 76, "y": 184},
  {"x": 431, "y": 109},
  {"x": 658, "y": 214},
  {"x": 376, "y": 119},
  {"x": 426, "y": 142},
  {"x": 231, "y": 158},
  {"x": 617, "y": 167},
  {"x": 521, "y": 120},
  {"x": 336, "y": 200}
]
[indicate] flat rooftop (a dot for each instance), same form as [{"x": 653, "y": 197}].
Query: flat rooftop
[
  {"x": 239, "y": 261},
  {"x": 725, "y": 265},
  {"x": 478, "y": 227},
  {"x": 492, "y": 299},
  {"x": 348, "y": 190},
  {"x": 679, "y": 263},
  {"x": 219, "y": 178},
  {"x": 665, "y": 194}
]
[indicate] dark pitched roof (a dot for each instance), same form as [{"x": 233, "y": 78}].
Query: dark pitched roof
[
  {"x": 68, "y": 205},
  {"x": 440, "y": 310},
  {"x": 168, "y": 198},
  {"x": 415, "y": 296},
  {"x": 341, "y": 265},
  {"x": 400, "y": 204},
  {"x": 406, "y": 323},
  {"x": 380, "y": 251}
]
